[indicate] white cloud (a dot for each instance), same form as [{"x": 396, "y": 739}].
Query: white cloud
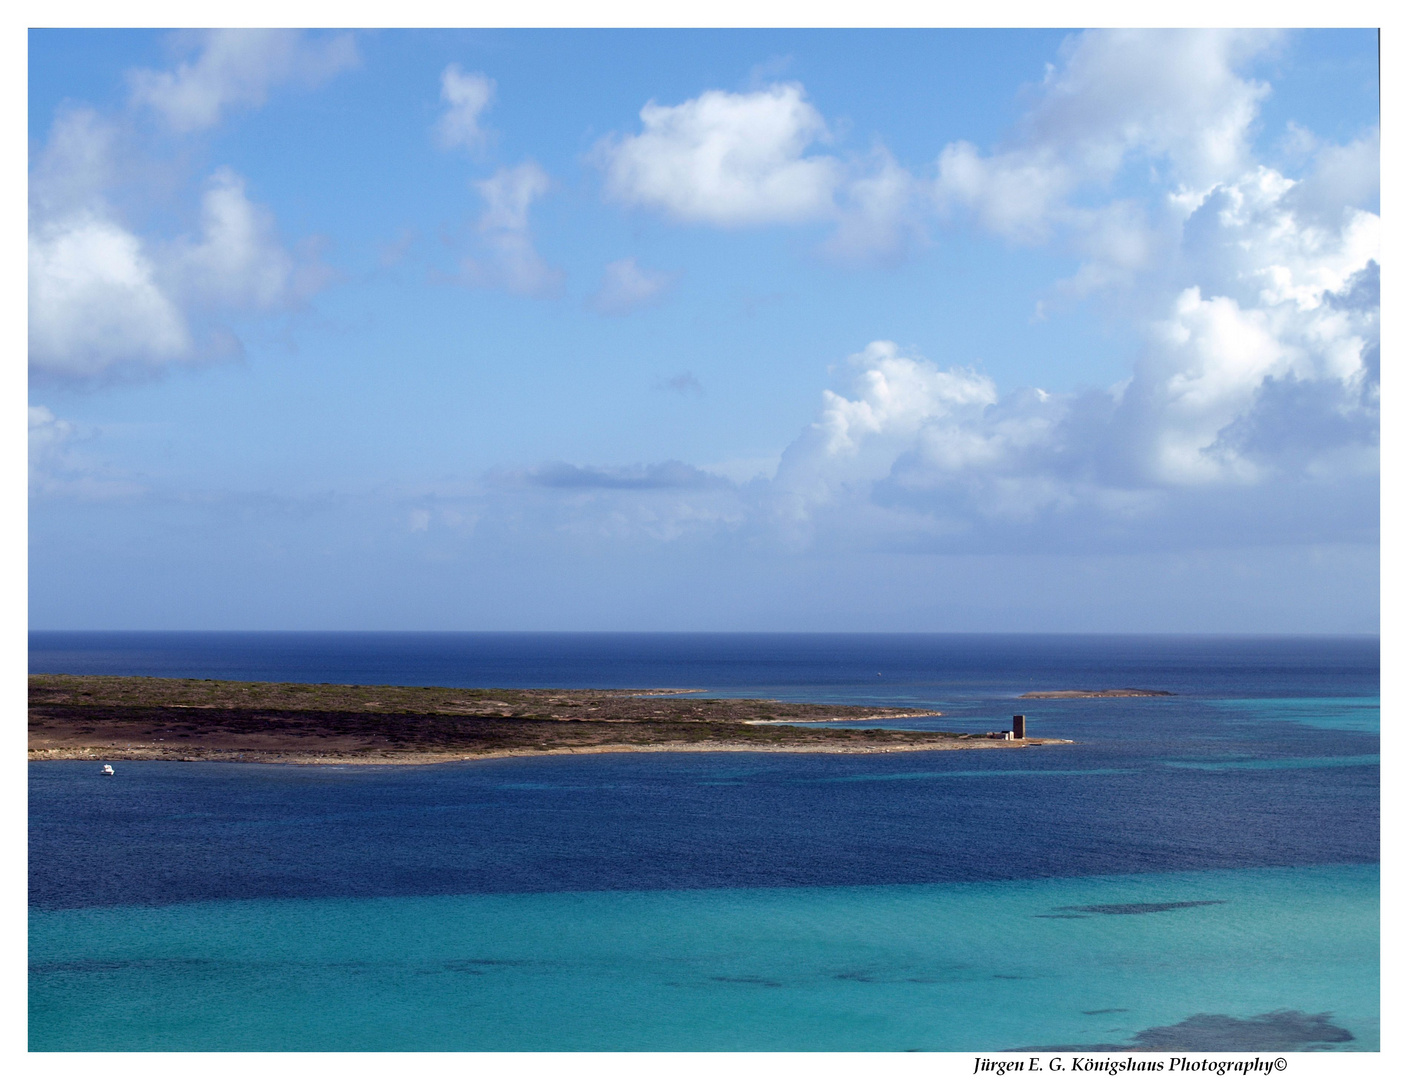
[
  {"x": 104, "y": 301},
  {"x": 1258, "y": 376},
  {"x": 626, "y": 287},
  {"x": 1171, "y": 101},
  {"x": 1172, "y": 96},
  {"x": 879, "y": 212},
  {"x": 725, "y": 159},
  {"x": 736, "y": 160},
  {"x": 1014, "y": 195},
  {"x": 1174, "y": 101},
  {"x": 1341, "y": 178},
  {"x": 237, "y": 261},
  {"x": 897, "y": 403},
  {"x": 1277, "y": 381},
  {"x": 95, "y": 302},
  {"x": 76, "y": 164},
  {"x": 1279, "y": 304},
  {"x": 509, "y": 194},
  {"x": 1209, "y": 359},
  {"x": 237, "y": 67},
  {"x": 1224, "y": 399},
  {"x": 466, "y": 97},
  {"x": 1258, "y": 368},
  {"x": 896, "y": 395},
  {"x": 507, "y": 258}
]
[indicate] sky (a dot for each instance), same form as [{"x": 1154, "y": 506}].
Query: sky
[{"x": 704, "y": 330}]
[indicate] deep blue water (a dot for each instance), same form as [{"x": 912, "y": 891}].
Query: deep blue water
[
  {"x": 928, "y": 667},
  {"x": 1256, "y": 787}
]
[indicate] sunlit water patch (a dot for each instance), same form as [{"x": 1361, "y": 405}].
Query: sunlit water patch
[
  {"x": 1333, "y": 714},
  {"x": 1346, "y": 762}
]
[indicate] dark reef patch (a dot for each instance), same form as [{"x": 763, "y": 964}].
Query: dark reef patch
[
  {"x": 1130, "y": 909},
  {"x": 1286, "y": 1030}
]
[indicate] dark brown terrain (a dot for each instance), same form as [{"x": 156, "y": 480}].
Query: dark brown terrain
[{"x": 114, "y": 718}]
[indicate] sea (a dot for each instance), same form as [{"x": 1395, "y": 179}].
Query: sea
[{"x": 1198, "y": 871}]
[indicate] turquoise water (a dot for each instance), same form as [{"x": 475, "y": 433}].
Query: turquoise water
[{"x": 971, "y": 966}]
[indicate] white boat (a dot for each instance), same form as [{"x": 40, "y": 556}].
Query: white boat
[{"x": 107, "y": 770}]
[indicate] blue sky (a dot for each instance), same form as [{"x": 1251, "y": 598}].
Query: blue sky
[{"x": 704, "y": 330}]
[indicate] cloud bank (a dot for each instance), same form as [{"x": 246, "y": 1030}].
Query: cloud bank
[
  {"x": 1249, "y": 418},
  {"x": 1251, "y": 413}
]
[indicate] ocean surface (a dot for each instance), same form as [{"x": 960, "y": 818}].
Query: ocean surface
[{"x": 1198, "y": 871}]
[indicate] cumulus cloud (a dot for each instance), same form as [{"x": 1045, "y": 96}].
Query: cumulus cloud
[
  {"x": 95, "y": 302},
  {"x": 626, "y": 287},
  {"x": 1275, "y": 383},
  {"x": 1171, "y": 102},
  {"x": 1230, "y": 417},
  {"x": 898, "y": 408},
  {"x": 237, "y": 67},
  {"x": 507, "y": 258},
  {"x": 1173, "y": 98},
  {"x": 105, "y": 301},
  {"x": 725, "y": 159},
  {"x": 1256, "y": 293},
  {"x": 107, "y": 298},
  {"x": 466, "y": 97},
  {"x": 734, "y": 160},
  {"x": 237, "y": 259}
]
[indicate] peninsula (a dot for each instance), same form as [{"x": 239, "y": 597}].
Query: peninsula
[{"x": 137, "y": 718}]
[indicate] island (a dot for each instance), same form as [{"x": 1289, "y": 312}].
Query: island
[
  {"x": 1127, "y": 692},
  {"x": 111, "y": 718}
]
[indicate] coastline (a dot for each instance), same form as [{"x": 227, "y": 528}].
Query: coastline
[{"x": 98, "y": 754}]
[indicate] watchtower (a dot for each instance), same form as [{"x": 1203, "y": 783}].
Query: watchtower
[{"x": 1019, "y": 727}]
